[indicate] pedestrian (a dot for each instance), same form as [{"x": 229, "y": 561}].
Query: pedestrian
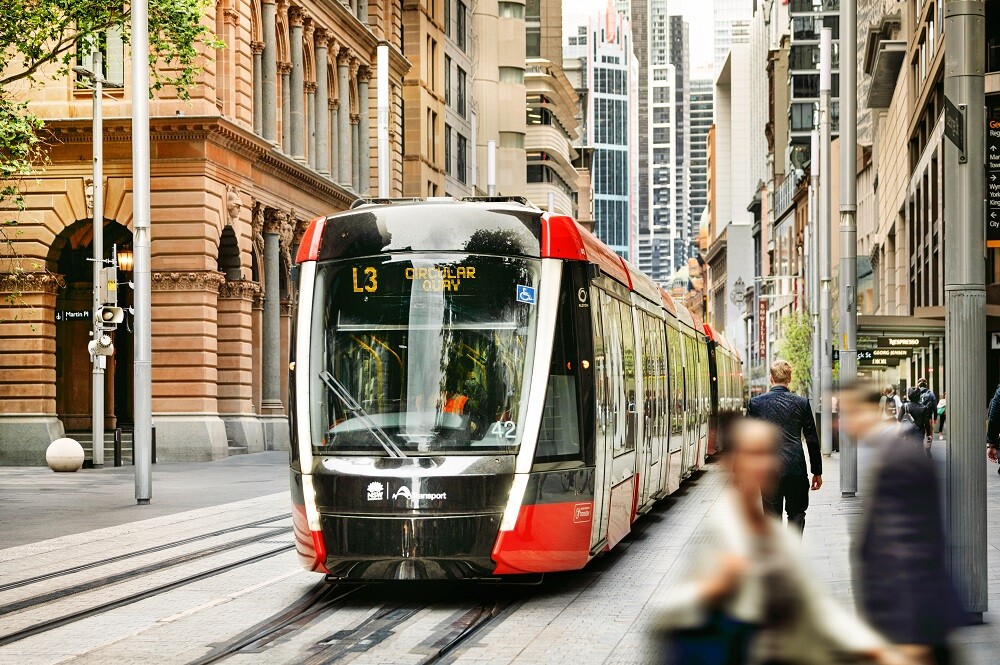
[
  {"x": 793, "y": 416},
  {"x": 917, "y": 416},
  {"x": 929, "y": 400},
  {"x": 890, "y": 404},
  {"x": 942, "y": 414},
  {"x": 745, "y": 596},
  {"x": 901, "y": 583},
  {"x": 993, "y": 428}
]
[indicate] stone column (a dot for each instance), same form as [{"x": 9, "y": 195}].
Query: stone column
[
  {"x": 356, "y": 152},
  {"x": 322, "y": 108},
  {"x": 364, "y": 132},
  {"x": 312, "y": 122},
  {"x": 258, "y": 87},
  {"x": 334, "y": 123},
  {"x": 285, "y": 69},
  {"x": 276, "y": 225},
  {"x": 297, "y": 90},
  {"x": 344, "y": 120},
  {"x": 269, "y": 72}
]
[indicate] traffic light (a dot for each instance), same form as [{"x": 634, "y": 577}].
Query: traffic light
[{"x": 108, "y": 317}]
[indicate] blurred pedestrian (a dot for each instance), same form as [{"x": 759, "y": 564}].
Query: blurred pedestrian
[
  {"x": 890, "y": 404},
  {"x": 942, "y": 414},
  {"x": 901, "y": 583},
  {"x": 929, "y": 400},
  {"x": 746, "y": 595},
  {"x": 917, "y": 416},
  {"x": 793, "y": 416},
  {"x": 993, "y": 428}
]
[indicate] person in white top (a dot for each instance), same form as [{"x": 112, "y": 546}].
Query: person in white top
[{"x": 746, "y": 593}]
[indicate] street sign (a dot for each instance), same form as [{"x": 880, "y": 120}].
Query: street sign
[
  {"x": 67, "y": 315},
  {"x": 992, "y": 183},
  {"x": 995, "y": 340},
  {"x": 891, "y": 353},
  {"x": 903, "y": 342},
  {"x": 954, "y": 126}
]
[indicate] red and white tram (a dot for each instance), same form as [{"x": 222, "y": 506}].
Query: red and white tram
[{"x": 481, "y": 389}]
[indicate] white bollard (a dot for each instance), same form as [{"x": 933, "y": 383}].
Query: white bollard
[{"x": 64, "y": 455}]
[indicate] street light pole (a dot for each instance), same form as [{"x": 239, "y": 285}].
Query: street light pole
[
  {"x": 143, "y": 389},
  {"x": 814, "y": 171},
  {"x": 825, "y": 203},
  {"x": 965, "y": 297},
  {"x": 848, "y": 228},
  {"x": 97, "y": 216}
]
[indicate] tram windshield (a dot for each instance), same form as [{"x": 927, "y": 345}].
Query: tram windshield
[{"x": 418, "y": 354}]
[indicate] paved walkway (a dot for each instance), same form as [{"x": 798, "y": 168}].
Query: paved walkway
[{"x": 37, "y": 504}]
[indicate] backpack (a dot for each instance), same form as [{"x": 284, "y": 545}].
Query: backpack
[
  {"x": 890, "y": 406},
  {"x": 917, "y": 415}
]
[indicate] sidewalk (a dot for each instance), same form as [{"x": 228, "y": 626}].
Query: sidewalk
[{"x": 37, "y": 504}]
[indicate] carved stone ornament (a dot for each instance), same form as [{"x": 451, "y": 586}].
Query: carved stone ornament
[
  {"x": 295, "y": 15},
  {"x": 284, "y": 68},
  {"x": 88, "y": 195},
  {"x": 187, "y": 281},
  {"x": 273, "y": 221},
  {"x": 240, "y": 289},
  {"x": 310, "y": 87},
  {"x": 257, "y": 47},
  {"x": 258, "y": 230},
  {"x": 285, "y": 242},
  {"x": 31, "y": 282},
  {"x": 234, "y": 204}
]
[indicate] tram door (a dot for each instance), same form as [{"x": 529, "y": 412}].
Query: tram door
[{"x": 604, "y": 428}]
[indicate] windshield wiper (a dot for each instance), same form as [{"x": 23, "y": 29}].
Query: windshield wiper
[{"x": 344, "y": 395}]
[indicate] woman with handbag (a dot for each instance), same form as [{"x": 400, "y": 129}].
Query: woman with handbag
[{"x": 747, "y": 597}]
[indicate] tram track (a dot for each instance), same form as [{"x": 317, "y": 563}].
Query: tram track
[
  {"x": 73, "y": 617},
  {"x": 108, "y": 580},
  {"x": 138, "y": 553}
]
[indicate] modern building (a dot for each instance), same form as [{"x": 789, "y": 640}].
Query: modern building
[
  {"x": 424, "y": 98},
  {"x": 552, "y": 128},
  {"x": 279, "y": 130},
  {"x": 498, "y": 72},
  {"x": 702, "y": 98},
  {"x": 602, "y": 67},
  {"x": 808, "y": 18},
  {"x": 681, "y": 233},
  {"x": 460, "y": 109},
  {"x": 728, "y": 14}
]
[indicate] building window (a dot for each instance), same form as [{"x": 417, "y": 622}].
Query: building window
[
  {"x": 803, "y": 116},
  {"x": 460, "y": 28},
  {"x": 430, "y": 74},
  {"x": 461, "y": 91},
  {"x": 447, "y": 149},
  {"x": 432, "y": 135},
  {"x": 511, "y": 10},
  {"x": 512, "y": 75},
  {"x": 447, "y": 17},
  {"x": 463, "y": 149},
  {"x": 661, "y": 95},
  {"x": 803, "y": 57},
  {"x": 112, "y": 48},
  {"x": 447, "y": 80}
]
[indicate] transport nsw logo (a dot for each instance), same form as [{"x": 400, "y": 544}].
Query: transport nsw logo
[{"x": 376, "y": 492}]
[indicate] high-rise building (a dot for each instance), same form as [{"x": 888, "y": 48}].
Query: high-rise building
[
  {"x": 423, "y": 100},
  {"x": 702, "y": 108},
  {"x": 552, "y": 177},
  {"x": 808, "y": 18},
  {"x": 459, "y": 102},
  {"x": 680, "y": 219},
  {"x": 600, "y": 63},
  {"x": 729, "y": 14}
]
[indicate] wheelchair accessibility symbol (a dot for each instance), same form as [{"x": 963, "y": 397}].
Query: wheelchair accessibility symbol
[{"x": 526, "y": 294}]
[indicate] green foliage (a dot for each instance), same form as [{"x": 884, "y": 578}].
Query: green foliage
[{"x": 795, "y": 347}]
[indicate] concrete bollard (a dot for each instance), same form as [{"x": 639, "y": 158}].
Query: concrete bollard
[{"x": 64, "y": 455}]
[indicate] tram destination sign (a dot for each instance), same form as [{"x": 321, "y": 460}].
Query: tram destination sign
[{"x": 993, "y": 183}]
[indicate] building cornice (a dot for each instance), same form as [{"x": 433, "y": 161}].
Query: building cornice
[
  {"x": 203, "y": 280},
  {"x": 31, "y": 282}
]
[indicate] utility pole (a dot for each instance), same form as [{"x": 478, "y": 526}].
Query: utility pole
[
  {"x": 965, "y": 297},
  {"x": 825, "y": 203},
  {"x": 143, "y": 388},
  {"x": 848, "y": 228},
  {"x": 814, "y": 169},
  {"x": 382, "y": 92}
]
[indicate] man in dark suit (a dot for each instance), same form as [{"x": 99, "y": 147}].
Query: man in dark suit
[
  {"x": 901, "y": 583},
  {"x": 792, "y": 415}
]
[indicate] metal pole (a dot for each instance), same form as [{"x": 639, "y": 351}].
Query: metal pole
[
  {"x": 382, "y": 91},
  {"x": 99, "y": 362},
  {"x": 848, "y": 228},
  {"x": 825, "y": 203},
  {"x": 758, "y": 287},
  {"x": 551, "y": 203},
  {"x": 491, "y": 168},
  {"x": 143, "y": 388},
  {"x": 965, "y": 302},
  {"x": 814, "y": 171}
]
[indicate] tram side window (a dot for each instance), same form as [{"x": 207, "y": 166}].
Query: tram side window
[
  {"x": 600, "y": 372},
  {"x": 629, "y": 359},
  {"x": 676, "y": 387},
  {"x": 559, "y": 436}
]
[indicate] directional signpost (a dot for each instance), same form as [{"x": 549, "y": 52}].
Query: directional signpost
[{"x": 993, "y": 183}]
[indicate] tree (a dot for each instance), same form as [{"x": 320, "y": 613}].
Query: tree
[
  {"x": 796, "y": 348},
  {"x": 37, "y": 34}
]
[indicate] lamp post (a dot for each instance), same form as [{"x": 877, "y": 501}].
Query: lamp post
[{"x": 98, "y": 361}]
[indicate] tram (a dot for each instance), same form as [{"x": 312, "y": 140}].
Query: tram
[{"x": 480, "y": 389}]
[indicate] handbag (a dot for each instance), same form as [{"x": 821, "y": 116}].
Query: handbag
[{"x": 721, "y": 640}]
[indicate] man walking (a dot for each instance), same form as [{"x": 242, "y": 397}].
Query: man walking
[{"x": 792, "y": 415}]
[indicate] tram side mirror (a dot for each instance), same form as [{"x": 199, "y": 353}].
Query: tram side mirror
[{"x": 593, "y": 271}]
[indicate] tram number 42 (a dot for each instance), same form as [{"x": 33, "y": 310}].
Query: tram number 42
[{"x": 504, "y": 429}]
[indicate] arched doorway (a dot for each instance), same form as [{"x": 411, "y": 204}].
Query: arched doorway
[{"x": 71, "y": 256}]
